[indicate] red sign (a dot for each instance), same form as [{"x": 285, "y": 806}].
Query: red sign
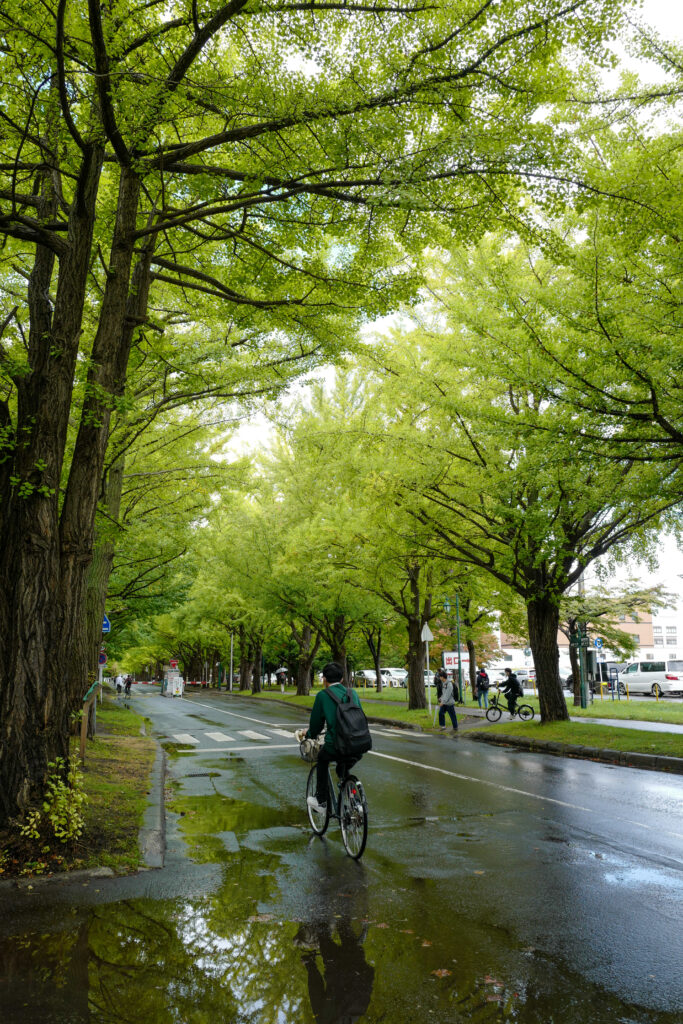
[{"x": 173, "y": 663}]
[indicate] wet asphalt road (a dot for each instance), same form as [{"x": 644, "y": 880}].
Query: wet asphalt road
[{"x": 496, "y": 886}]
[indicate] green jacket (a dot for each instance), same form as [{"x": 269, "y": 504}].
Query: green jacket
[{"x": 324, "y": 712}]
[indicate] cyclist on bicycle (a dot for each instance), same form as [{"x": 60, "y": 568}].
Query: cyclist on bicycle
[
  {"x": 324, "y": 713},
  {"x": 512, "y": 688}
]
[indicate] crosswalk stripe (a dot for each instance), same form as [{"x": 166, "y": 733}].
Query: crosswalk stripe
[
  {"x": 219, "y": 737},
  {"x": 184, "y": 737},
  {"x": 282, "y": 732},
  {"x": 237, "y": 750},
  {"x": 248, "y": 734}
]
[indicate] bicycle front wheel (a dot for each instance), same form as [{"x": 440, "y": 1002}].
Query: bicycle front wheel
[
  {"x": 319, "y": 822},
  {"x": 493, "y": 713},
  {"x": 525, "y": 712},
  {"x": 353, "y": 817}
]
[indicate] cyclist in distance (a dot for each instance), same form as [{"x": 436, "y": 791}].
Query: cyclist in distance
[
  {"x": 324, "y": 713},
  {"x": 512, "y": 688}
]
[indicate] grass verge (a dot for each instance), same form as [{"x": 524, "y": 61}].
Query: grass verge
[
  {"x": 118, "y": 762},
  {"x": 587, "y": 734},
  {"x": 375, "y": 708}
]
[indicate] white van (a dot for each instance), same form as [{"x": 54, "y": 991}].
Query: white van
[{"x": 655, "y": 677}]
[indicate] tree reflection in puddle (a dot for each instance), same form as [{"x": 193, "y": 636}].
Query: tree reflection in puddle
[{"x": 295, "y": 933}]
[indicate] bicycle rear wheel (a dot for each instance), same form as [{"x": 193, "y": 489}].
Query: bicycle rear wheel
[
  {"x": 319, "y": 822},
  {"x": 525, "y": 712},
  {"x": 493, "y": 713},
  {"x": 353, "y": 817}
]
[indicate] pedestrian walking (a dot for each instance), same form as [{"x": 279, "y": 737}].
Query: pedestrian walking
[
  {"x": 129, "y": 683},
  {"x": 439, "y": 679},
  {"x": 482, "y": 684},
  {"x": 119, "y": 683},
  {"x": 447, "y": 704}
]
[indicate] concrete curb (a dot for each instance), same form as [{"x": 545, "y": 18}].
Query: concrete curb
[
  {"x": 375, "y": 719},
  {"x": 152, "y": 835},
  {"x": 625, "y": 758}
]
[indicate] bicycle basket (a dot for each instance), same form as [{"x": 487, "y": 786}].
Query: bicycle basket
[{"x": 309, "y": 750}]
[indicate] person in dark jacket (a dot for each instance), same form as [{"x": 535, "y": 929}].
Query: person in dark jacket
[
  {"x": 439, "y": 679},
  {"x": 324, "y": 714},
  {"x": 482, "y": 684},
  {"x": 512, "y": 688}
]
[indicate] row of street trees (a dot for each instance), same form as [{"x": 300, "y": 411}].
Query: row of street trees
[{"x": 199, "y": 202}]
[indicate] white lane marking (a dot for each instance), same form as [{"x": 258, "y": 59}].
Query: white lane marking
[
  {"x": 282, "y": 732},
  {"x": 220, "y": 737},
  {"x": 443, "y": 771},
  {"x": 250, "y": 735},
  {"x": 234, "y": 750},
  {"x": 221, "y": 711},
  {"x": 184, "y": 737},
  {"x": 522, "y": 792}
]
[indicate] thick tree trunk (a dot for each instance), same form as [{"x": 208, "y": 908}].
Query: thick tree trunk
[
  {"x": 576, "y": 675},
  {"x": 38, "y": 612},
  {"x": 256, "y": 670},
  {"x": 543, "y": 617},
  {"x": 417, "y": 697},
  {"x": 307, "y": 652},
  {"x": 84, "y": 664}
]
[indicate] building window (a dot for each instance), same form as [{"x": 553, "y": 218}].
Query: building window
[
  {"x": 622, "y": 618},
  {"x": 672, "y": 657},
  {"x": 649, "y": 657},
  {"x": 671, "y": 633},
  {"x": 657, "y": 630},
  {"x": 636, "y": 637},
  {"x": 659, "y": 641}
]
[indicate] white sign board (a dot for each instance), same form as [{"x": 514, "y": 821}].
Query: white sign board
[
  {"x": 173, "y": 685},
  {"x": 427, "y": 635},
  {"x": 450, "y": 659}
]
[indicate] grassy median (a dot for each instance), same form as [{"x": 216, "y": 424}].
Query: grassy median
[
  {"x": 579, "y": 733},
  {"x": 585, "y": 734}
]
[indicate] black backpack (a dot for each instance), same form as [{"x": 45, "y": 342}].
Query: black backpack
[{"x": 352, "y": 732}]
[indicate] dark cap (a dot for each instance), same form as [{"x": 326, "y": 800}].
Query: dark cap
[
  {"x": 333, "y": 672},
  {"x": 443, "y": 673}
]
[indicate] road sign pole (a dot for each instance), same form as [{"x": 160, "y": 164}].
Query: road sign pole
[
  {"x": 426, "y": 636},
  {"x": 429, "y": 689}
]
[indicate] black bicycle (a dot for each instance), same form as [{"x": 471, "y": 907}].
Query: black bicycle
[
  {"x": 494, "y": 711},
  {"x": 348, "y": 805}
]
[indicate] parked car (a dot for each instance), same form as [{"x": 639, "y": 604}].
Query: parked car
[
  {"x": 365, "y": 677},
  {"x": 429, "y": 678},
  {"x": 660, "y": 678},
  {"x": 395, "y": 676}
]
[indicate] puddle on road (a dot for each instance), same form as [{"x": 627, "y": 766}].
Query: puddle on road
[
  {"x": 203, "y": 818},
  {"x": 232, "y": 957},
  {"x": 296, "y": 933}
]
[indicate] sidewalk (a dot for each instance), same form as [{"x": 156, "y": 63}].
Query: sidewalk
[{"x": 620, "y": 723}]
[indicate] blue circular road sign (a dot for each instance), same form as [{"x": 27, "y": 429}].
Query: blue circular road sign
[{"x": 598, "y": 641}]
